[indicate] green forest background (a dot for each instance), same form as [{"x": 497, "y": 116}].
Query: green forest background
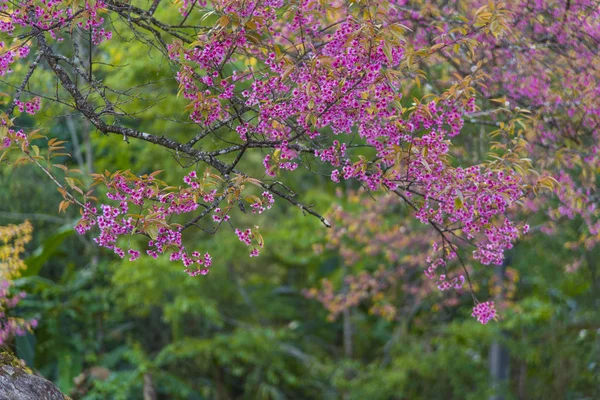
[{"x": 109, "y": 328}]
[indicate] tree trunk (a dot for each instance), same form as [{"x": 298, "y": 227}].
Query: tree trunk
[{"x": 499, "y": 357}]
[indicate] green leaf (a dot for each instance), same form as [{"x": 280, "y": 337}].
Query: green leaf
[
  {"x": 152, "y": 231},
  {"x": 50, "y": 247}
]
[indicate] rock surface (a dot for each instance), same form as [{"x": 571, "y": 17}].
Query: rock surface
[{"x": 17, "y": 383}]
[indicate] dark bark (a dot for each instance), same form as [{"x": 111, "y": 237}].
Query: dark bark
[{"x": 16, "y": 383}]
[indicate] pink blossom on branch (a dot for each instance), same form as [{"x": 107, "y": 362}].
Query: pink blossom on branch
[
  {"x": 296, "y": 85},
  {"x": 484, "y": 312}
]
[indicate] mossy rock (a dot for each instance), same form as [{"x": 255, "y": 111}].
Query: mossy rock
[{"x": 18, "y": 383}]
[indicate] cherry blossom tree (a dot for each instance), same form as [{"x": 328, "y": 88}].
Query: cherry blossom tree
[{"x": 319, "y": 85}]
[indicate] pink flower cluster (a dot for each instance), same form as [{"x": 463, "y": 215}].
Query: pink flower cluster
[
  {"x": 334, "y": 154},
  {"x": 13, "y": 137},
  {"x": 220, "y": 215},
  {"x": 30, "y": 107},
  {"x": 247, "y": 237},
  {"x": 434, "y": 262},
  {"x": 10, "y": 326},
  {"x": 53, "y": 15},
  {"x": 456, "y": 283},
  {"x": 265, "y": 204},
  {"x": 484, "y": 312},
  {"x": 115, "y": 221},
  {"x": 9, "y": 57}
]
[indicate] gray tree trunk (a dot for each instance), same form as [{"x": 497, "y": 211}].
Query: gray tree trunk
[{"x": 499, "y": 356}]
